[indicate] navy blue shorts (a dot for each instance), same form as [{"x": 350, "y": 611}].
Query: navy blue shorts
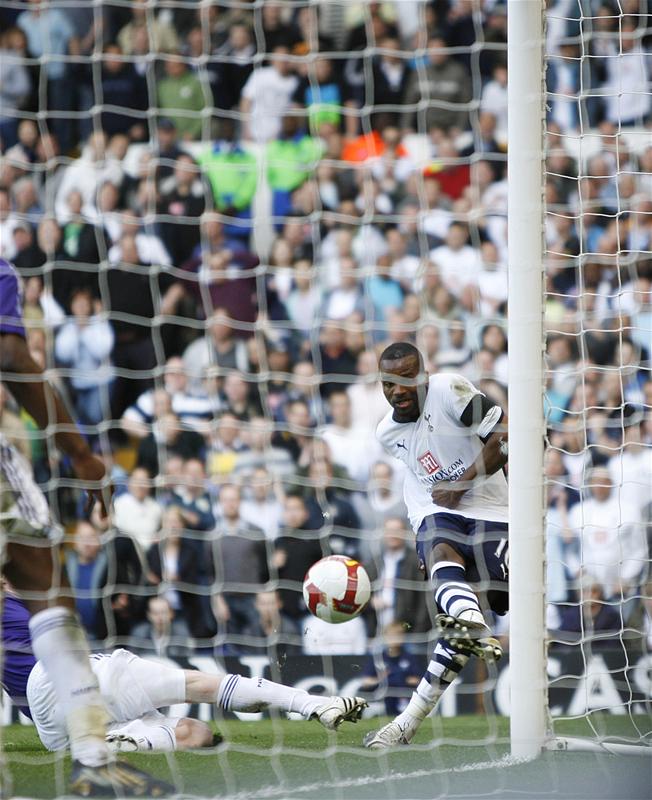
[{"x": 483, "y": 545}]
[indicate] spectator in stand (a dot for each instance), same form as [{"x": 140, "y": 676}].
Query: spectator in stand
[
  {"x": 335, "y": 358},
  {"x": 324, "y": 639},
  {"x": 492, "y": 281},
  {"x": 383, "y": 293},
  {"x": 457, "y": 261},
  {"x": 130, "y": 291},
  {"x": 26, "y": 251},
  {"x": 160, "y": 35},
  {"x": 28, "y": 134},
  {"x": 612, "y": 540},
  {"x": 291, "y": 159},
  {"x": 136, "y": 513},
  {"x": 297, "y": 435},
  {"x": 96, "y": 165},
  {"x": 630, "y": 469},
  {"x": 390, "y": 75},
  {"x": 323, "y": 94},
  {"x": 274, "y": 634},
  {"x": 174, "y": 562},
  {"x": 592, "y": 618},
  {"x": 384, "y": 499},
  {"x": 217, "y": 348},
  {"x": 240, "y": 561},
  {"x": 277, "y": 29},
  {"x": 305, "y": 298},
  {"x": 231, "y": 65},
  {"x": 194, "y": 411},
  {"x": 84, "y": 344},
  {"x": 25, "y": 198},
  {"x": 123, "y": 88},
  {"x": 225, "y": 444},
  {"x": 65, "y": 277},
  {"x": 444, "y": 83},
  {"x": 328, "y": 501},
  {"x": 494, "y": 99},
  {"x": 15, "y": 87},
  {"x": 346, "y": 298},
  {"x": 239, "y": 397},
  {"x": 626, "y": 90},
  {"x": 399, "y": 586},
  {"x": 233, "y": 175},
  {"x": 351, "y": 448},
  {"x": 561, "y": 548},
  {"x": 152, "y": 405},
  {"x": 117, "y": 587},
  {"x": 167, "y": 147},
  {"x": 8, "y": 222},
  {"x": 179, "y": 94},
  {"x": 51, "y": 37},
  {"x": 260, "y": 452},
  {"x": 191, "y": 497},
  {"x": 263, "y": 503},
  {"x": 162, "y": 635},
  {"x": 395, "y": 671},
  {"x": 86, "y": 566},
  {"x": 457, "y": 357},
  {"x": 295, "y": 551},
  {"x": 182, "y": 196},
  {"x": 266, "y": 97},
  {"x": 169, "y": 437},
  {"x": 150, "y": 248}
]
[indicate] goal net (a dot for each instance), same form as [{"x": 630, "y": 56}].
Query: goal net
[
  {"x": 598, "y": 274},
  {"x": 222, "y": 212}
]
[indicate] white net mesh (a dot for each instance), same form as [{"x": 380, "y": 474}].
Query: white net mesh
[
  {"x": 598, "y": 273},
  {"x": 249, "y": 200}
]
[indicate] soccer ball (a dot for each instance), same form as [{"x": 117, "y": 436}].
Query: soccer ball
[{"x": 336, "y": 589}]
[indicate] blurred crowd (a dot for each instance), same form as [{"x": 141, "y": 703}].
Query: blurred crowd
[{"x": 221, "y": 216}]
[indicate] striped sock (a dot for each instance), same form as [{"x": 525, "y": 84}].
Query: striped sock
[{"x": 453, "y": 595}]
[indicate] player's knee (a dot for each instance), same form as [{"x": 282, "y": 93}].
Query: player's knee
[
  {"x": 191, "y": 734},
  {"x": 444, "y": 552}
]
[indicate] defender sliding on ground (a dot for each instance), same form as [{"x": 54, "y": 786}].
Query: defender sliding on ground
[{"x": 133, "y": 689}]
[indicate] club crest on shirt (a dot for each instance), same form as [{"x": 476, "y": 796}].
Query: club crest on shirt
[{"x": 429, "y": 462}]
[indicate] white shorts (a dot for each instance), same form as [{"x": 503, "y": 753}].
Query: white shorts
[{"x": 131, "y": 688}]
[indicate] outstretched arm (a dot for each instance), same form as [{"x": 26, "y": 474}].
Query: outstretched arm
[{"x": 26, "y": 381}]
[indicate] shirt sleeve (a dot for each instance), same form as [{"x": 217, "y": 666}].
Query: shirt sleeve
[
  {"x": 459, "y": 393},
  {"x": 11, "y": 317}
]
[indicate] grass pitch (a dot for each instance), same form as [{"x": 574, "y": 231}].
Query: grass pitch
[{"x": 276, "y": 759}]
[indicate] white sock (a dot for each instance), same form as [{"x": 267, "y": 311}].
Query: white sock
[
  {"x": 237, "y": 693},
  {"x": 159, "y": 737},
  {"x": 59, "y": 643},
  {"x": 445, "y": 665},
  {"x": 416, "y": 710}
]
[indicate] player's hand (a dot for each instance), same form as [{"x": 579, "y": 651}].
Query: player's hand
[
  {"x": 90, "y": 468},
  {"x": 447, "y": 494}
]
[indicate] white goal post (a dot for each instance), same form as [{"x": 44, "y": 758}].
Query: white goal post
[{"x": 525, "y": 336}]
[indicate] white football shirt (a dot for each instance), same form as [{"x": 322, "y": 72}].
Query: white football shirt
[{"x": 439, "y": 447}]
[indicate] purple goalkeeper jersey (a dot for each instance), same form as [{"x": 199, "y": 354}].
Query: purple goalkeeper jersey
[
  {"x": 11, "y": 313},
  {"x": 17, "y": 656}
]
